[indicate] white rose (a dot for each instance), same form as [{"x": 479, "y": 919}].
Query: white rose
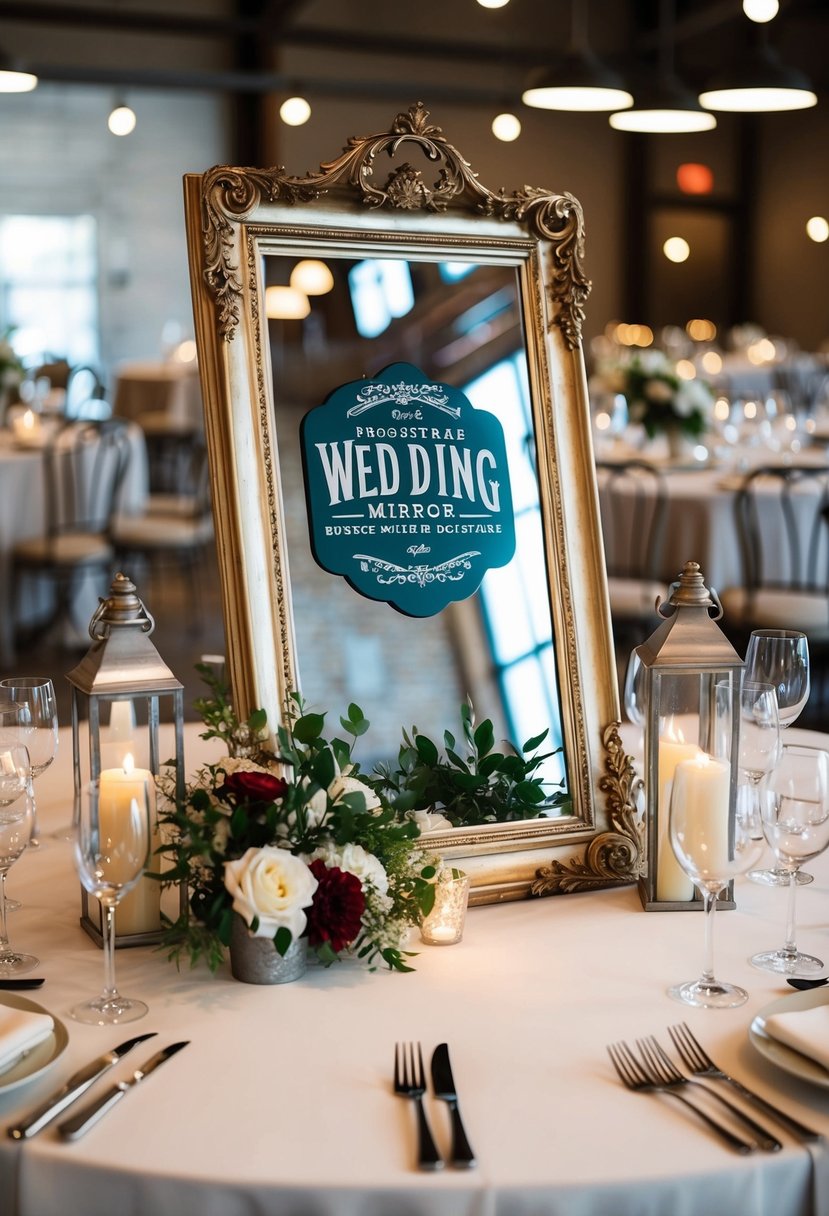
[
  {"x": 653, "y": 362},
  {"x": 273, "y": 885},
  {"x": 344, "y": 784},
  {"x": 238, "y": 764},
  {"x": 430, "y": 821},
  {"x": 354, "y": 859}
]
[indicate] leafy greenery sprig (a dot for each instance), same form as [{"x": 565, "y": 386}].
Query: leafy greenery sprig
[{"x": 482, "y": 785}]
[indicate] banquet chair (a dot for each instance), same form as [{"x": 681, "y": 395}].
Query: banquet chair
[
  {"x": 782, "y": 518},
  {"x": 86, "y": 395},
  {"x": 84, "y": 464},
  {"x": 633, "y": 526},
  {"x": 176, "y": 526}
]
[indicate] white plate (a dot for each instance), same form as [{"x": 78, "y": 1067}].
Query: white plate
[
  {"x": 39, "y": 1058},
  {"x": 778, "y": 1053}
]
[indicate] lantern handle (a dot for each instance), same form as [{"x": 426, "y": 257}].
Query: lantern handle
[
  {"x": 99, "y": 628},
  {"x": 665, "y": 608}
]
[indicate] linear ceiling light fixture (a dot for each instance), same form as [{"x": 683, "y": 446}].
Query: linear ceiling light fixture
[
  {"x": 13, "y": 75},
  {"x": 759, "y": 82},
  {"x": 579, "y": 81},
  {"x": 665, "y": 106}
]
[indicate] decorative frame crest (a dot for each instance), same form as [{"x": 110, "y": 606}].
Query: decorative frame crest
[{"x": 556, "y": 218}]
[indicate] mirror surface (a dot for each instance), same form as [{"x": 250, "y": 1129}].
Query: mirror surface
[{"x": 460, "y": 324}]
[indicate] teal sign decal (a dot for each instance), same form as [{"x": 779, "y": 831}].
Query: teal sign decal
[{"x": 408, "y": 490}]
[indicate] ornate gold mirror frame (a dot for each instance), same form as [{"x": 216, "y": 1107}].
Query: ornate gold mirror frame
[{"x": 236, "y": 218}]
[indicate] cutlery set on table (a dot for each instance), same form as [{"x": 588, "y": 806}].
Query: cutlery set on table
[
  {"x": 81, "y": 1081},
  {"x": 649, "y": 1069},
  {"x": 410, "y": 1082}
]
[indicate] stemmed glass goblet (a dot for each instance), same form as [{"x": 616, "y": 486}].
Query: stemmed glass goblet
[
  {"x": 780, "y": 657},
  {"x": 16, "y": 816},
  {"x": 796, "y": 824},
  {"x": 112, "y": 846},
  {"x": 712, "y": 845},
  {"x": 39, "y": 720},
  {"x": 760, "y": 745}
]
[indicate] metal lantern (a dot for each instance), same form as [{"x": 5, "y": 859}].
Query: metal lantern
[
  {"x": 123, "y": 671},
  {"x": 682, "y": 664}
]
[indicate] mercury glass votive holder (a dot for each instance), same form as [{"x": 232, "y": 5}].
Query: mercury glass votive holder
[{"x": 444, "y": 924}]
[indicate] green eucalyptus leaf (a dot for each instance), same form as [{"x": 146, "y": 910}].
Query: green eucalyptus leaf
[
  {"x": 282, "y": 940},
  {"x": 309, "y": 727},
  {"x": 426, "y": 749},
  {"x": 533, "y": 743},
  {"x": 485, "y": 737}
]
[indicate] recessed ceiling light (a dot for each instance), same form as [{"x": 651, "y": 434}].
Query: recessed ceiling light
[
  {"x": 761, "y": 10},
  {"x": 676, "y": 249},
  {"x": 817, "y": 229},
  {"x": 506, "y": 127},
  {"x": 295, "y": 111}
]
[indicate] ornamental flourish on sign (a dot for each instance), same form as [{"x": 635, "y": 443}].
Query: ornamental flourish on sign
[
  {"x": 401, "y": 394},
  {"x": 390, "y": 573}
]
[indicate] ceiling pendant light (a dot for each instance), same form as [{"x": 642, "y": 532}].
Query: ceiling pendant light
[
  {"x": 759, "y": 82},
  {"x": 664, "y": 106},
  {"x": 579, "y": 81},
  {"x": 13, "y": 76}
]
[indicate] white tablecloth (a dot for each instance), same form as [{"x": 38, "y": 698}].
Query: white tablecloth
[
  {"x": 701, "y": 524},
  {"x": 282, "y": 1103}
]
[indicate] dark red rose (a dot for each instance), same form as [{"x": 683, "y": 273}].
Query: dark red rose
[
  {"x": 336, "y": 914},
  {"x": 256, "y": 787}
]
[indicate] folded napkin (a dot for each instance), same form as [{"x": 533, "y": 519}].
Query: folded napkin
[
  {"x": 20, "y": 1031},
  {"x": 806, "y": 1030}
]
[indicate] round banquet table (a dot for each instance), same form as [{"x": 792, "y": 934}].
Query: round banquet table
[
  {"x": 282, "y": 1103},
  {"x": 700, "y": 521}
]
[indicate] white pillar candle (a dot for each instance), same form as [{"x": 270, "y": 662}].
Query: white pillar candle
[
  {"x": 672, "y": 883},
  {"x": 139, "y": 911},
  {"x": 705, "y": 788}
]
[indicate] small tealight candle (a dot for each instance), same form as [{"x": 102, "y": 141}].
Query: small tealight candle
[
  {"x": 444, "y": 924},
  {"x": 28, "y": 429}
]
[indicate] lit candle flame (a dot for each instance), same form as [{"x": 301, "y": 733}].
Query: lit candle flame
[{"x": 129, "y": 763}]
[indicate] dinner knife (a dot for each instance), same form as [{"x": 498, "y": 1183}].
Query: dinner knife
[
  {"x": 89, "y": 1115},
  {"x": 443, "y": 1084},
  {"x": 77, "y": 1084}
]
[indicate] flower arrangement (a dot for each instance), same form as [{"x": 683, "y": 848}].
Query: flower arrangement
[
  {"x": 293, "y": 841},
  {"x": 487, "y": 784},
  {"x": 657, "y": 397},
  {"x": 11, "y": 369}
]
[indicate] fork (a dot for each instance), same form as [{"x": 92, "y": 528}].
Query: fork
[
  {"x": 657, "y": 1061},
  {"x": 410, "y": 1082},
  {"x": 697, "y": 1061},
  {"x": 633, "y": 1076}
]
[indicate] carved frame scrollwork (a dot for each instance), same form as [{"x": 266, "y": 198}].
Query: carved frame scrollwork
[
  {"x": 238, "y": 216},
  {"x": 230, "y": 194}
]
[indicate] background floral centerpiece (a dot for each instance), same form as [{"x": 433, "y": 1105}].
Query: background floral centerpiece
[
  {"x": 11, "y": 370},
  {"x": 658, "y": 398},
  {"x": 293, "y": 842}
]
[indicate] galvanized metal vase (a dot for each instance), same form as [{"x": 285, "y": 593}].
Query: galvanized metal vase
[{"x": 254, "y": 960}]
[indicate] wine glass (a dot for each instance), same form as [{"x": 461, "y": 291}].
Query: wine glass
[
  {"x": 759, "y": 741},
  {"x": 780, "y": 657},
  {"x": 11, "y": 733},
  {"x": 796, "y": 824},
  {"x": 112, "y": 847},
  {"x": 712, "y": 845},
  {"x": 39, "y": 719},
  {"x": 16, "y": 817}
]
